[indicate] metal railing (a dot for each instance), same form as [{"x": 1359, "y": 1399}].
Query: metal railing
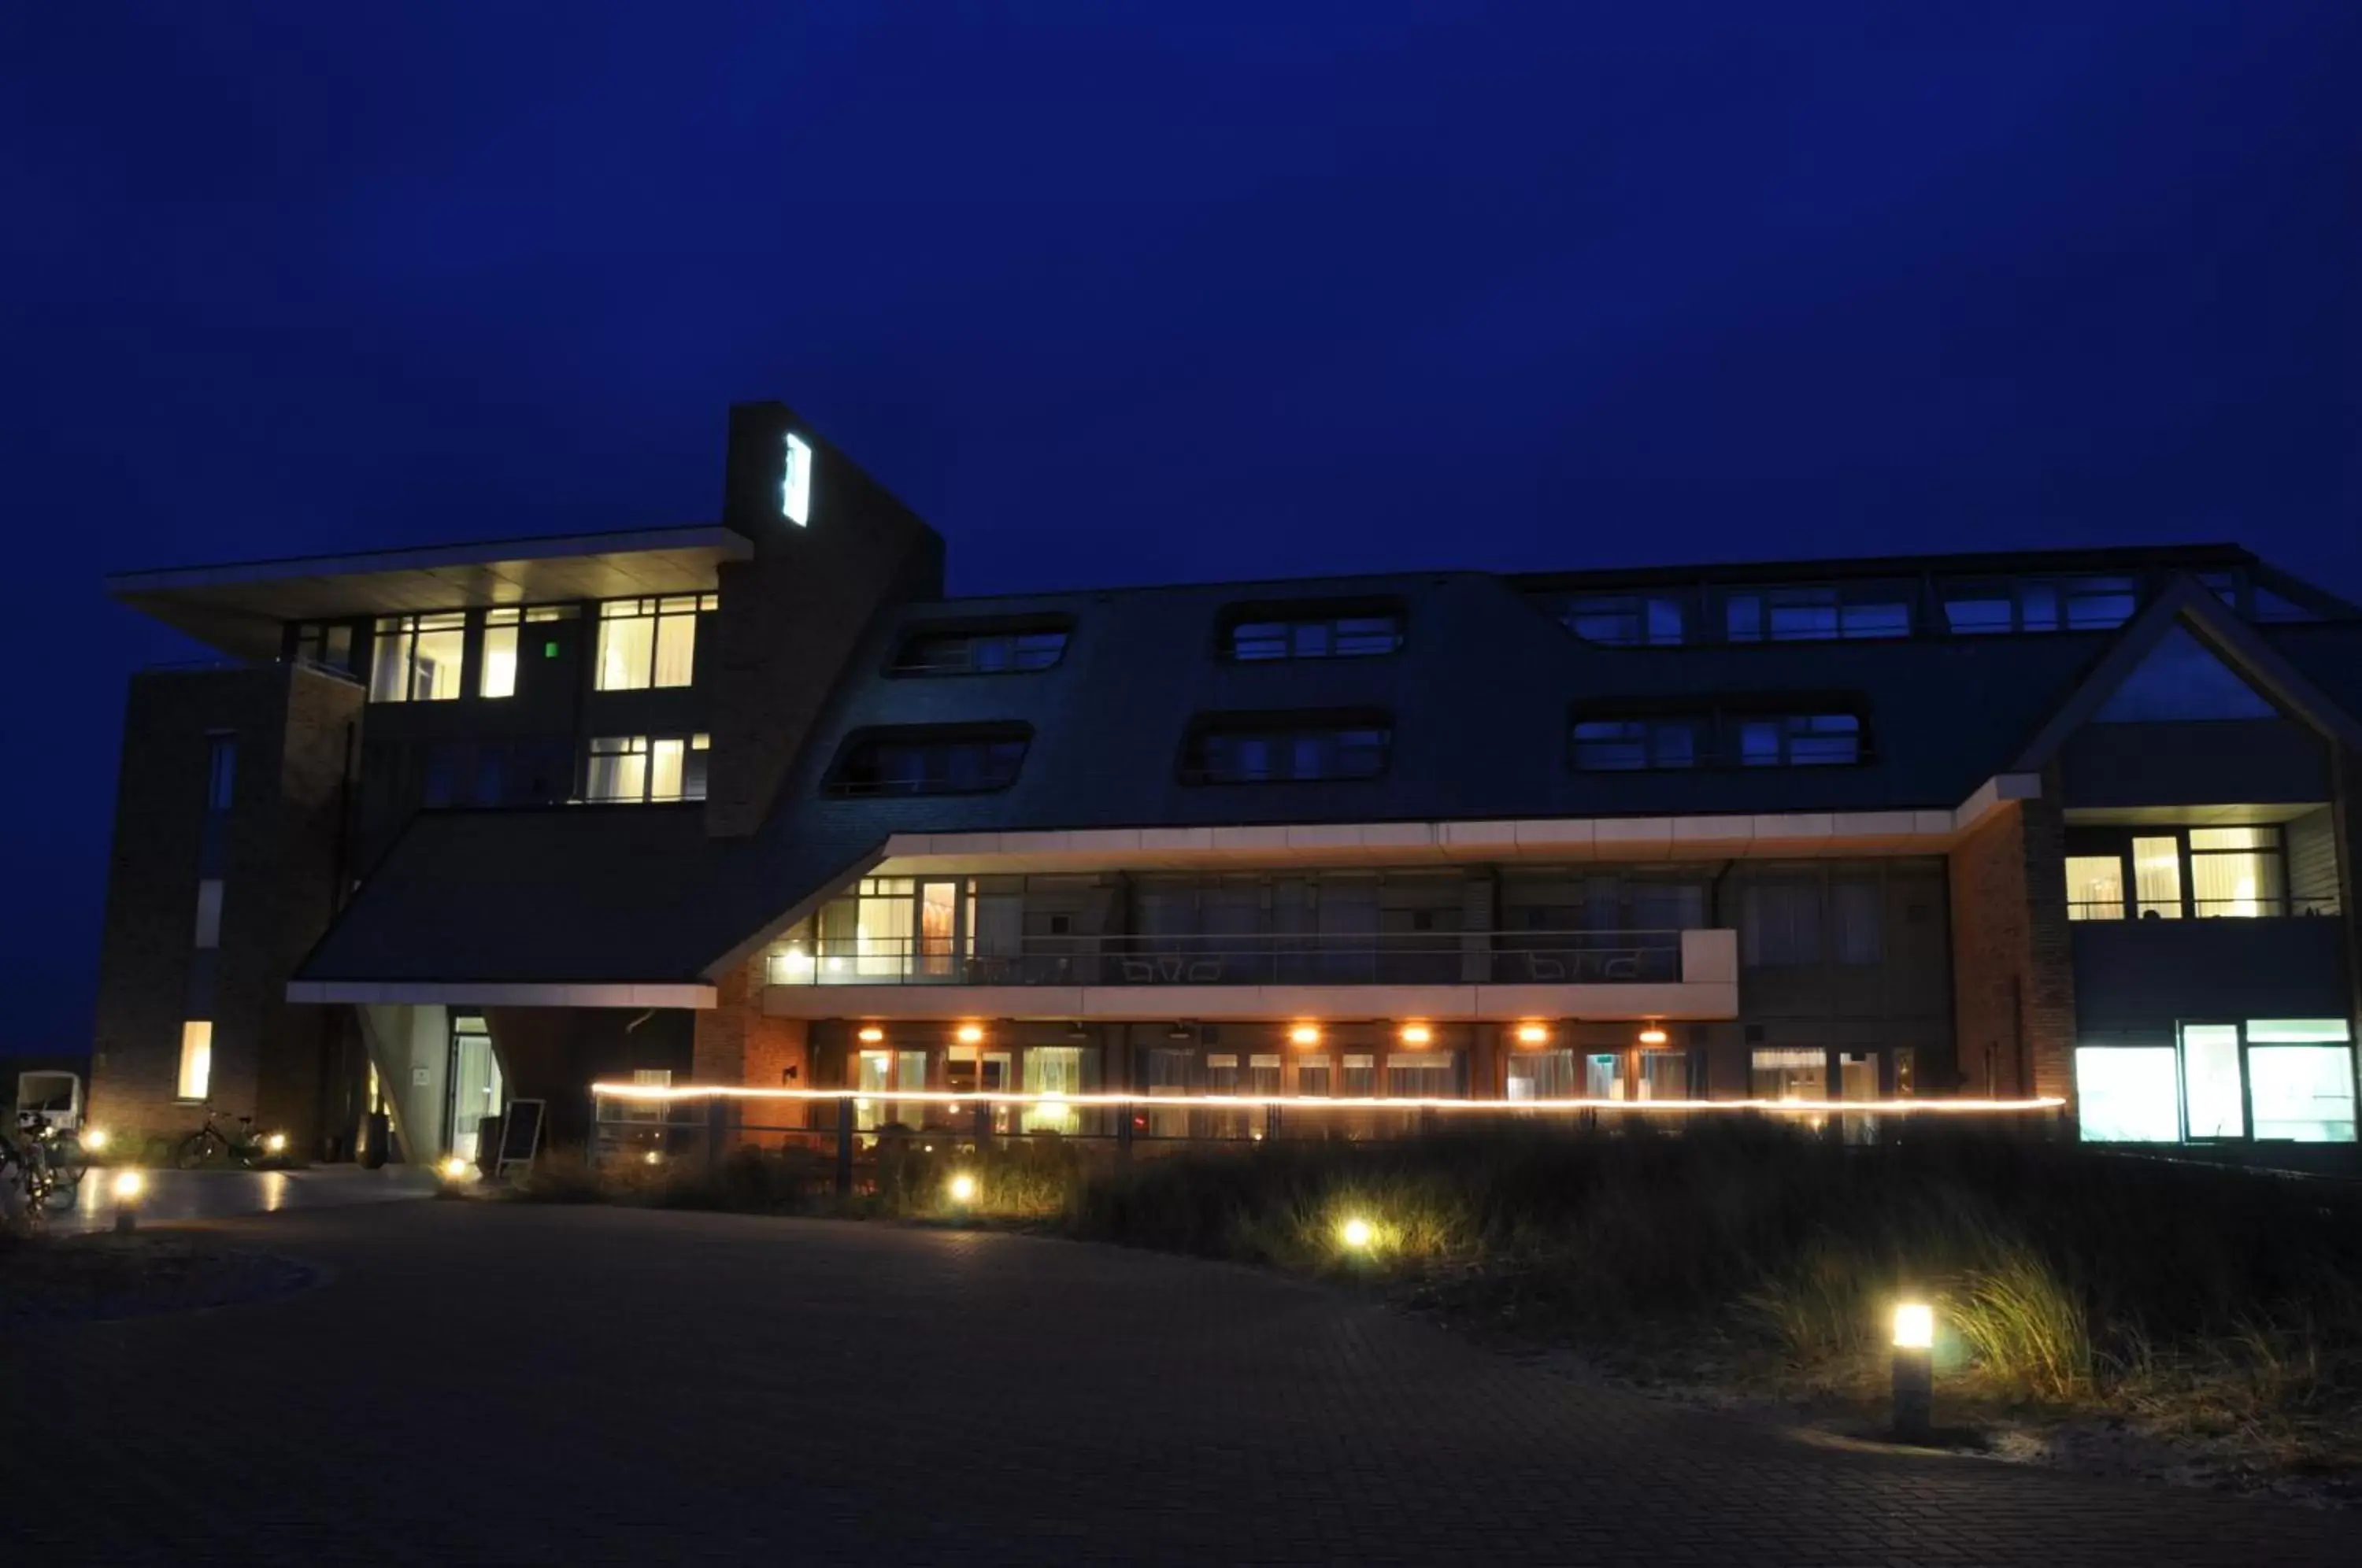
[{"x": 1424, "y": 957}]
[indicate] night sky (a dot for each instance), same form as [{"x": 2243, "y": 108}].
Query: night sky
[{"x": 1118, "y": 293}]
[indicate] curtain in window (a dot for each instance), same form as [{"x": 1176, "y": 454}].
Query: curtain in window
[
  {"x": 1780, "y": 924},
  {"x": 1858, "y": 927},
  {"x": 2157, "y": 877}
]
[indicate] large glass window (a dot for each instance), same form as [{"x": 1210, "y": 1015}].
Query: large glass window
[
  {"x": 1780, "y": 924},
  {"x": 328, "y": 643},
  {"x": 1280, "y": 754},
  {"x": 2128, "y": 1094},
  {"x": 930, "y": 762},
  {"x": 1626, "y": 744},
  {"x": 1806, "y": 613},
  {"x": 1627, "y": 620},
  {"x": 649, "y": 642},
  {"x": 496, "y": 677},
  {"x": 1542, "y": 1075},
  {"x": 2157, "y": 877},
  {"x": 418, "y": 657},
  {"x": 2095, "y": 887},
  {"x": 644, "y": 768},
  {"x": 2300, "y": 1078},
  {"x": 2213, "y": 1089},
  {"x": 2236, "y": 871},
  {"x": 1357, "y": 635},
  {"x": 1788, "y": 1072}
]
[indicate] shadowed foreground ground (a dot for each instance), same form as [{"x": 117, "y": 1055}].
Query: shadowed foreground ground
[{"x": 479, "y": 1382}]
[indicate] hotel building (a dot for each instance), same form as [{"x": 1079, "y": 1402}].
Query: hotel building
[{"x": 754, "y": 803}]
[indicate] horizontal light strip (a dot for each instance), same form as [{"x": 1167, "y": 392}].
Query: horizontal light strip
[{"x": 649, "y": 1092}]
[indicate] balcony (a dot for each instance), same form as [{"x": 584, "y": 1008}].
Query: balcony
[{"x": 1440, "y": 974}]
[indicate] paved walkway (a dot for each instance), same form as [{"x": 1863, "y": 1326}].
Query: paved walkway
[
  {"x": 496, "y": 1383},
  {"x": 172, "y": 1196}
]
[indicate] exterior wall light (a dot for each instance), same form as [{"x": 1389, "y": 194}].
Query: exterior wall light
[
  {"x": 1653, "y": 1035},
  {"x": 275, "y": 1143},
  {"x": 1532, "y": 1034},
  {"x": 872, "y": 1034},
  {"x": 1304, "y": 1034},
  {"x": 1416, "y": 1034},
  {"x": 1914, "y": 1373},
  {"x": 970, "y": 1033},
  {"x": 93, "y": 1138}
]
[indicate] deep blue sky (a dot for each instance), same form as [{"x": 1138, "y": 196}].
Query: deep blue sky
[{"x": 1117, "y": 293}]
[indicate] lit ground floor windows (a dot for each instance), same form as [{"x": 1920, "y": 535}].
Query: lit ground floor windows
[
  {"x": 2266, "y": 1079},
  {"x": 196, "y": 1075}
]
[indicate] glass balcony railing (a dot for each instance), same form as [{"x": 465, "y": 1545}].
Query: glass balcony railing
[{"x": 1414, "y": 958}]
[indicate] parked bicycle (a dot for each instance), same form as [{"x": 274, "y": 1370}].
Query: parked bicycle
[
  {"x": 45, "y": 1164},
  {"x": 217, "y": 1140}
]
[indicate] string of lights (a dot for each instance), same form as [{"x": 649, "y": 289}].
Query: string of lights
[{"x": 952, "y": 1100}]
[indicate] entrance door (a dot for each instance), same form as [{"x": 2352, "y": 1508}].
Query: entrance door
[
  {"x": 473, "y": 1083},
  {"x": 1602, "y": 1075},
  {"x": 1858, "y": 1080},
  {"x": 2214, "y": 1088}
]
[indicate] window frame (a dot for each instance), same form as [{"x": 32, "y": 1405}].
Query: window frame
[
  {"x": 839, "y": 781},
  {"x": 1718, "y": 735},
  {"x": 901, "y": 664},
  {"x": 657, "y": 609},
  {"x": 1292, "y": 730},
  {"x": 693, "y": 745},
  {"x": 1296, "y": 622}
]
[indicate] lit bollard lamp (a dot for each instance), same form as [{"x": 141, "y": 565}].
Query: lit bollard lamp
[
  {"x": 1915, "y": 1372},
  {"x": 127, "y": 1188}
]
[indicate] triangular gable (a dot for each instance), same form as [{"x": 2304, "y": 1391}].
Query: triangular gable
[
  {"x": 2180, "y": 678},
  {"x": 2187, "y": 606}
]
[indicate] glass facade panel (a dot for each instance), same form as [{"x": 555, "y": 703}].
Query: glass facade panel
[
  {"x": 2213, "y": 1094},
  {"x": 1788, "y": 1073},
  {"x": 2128, "y": 1094},
  {"x": 2157, "y": 877},
  {"x": 2302, "y": 1092},
  {"x": 1542, "y": 1075},
  {"x": 2095, "y": 887},
  {"x": 497, "y": 678}
]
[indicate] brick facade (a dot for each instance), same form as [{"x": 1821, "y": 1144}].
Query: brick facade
[
  {"x": 276, "y": 850},
  {"x": 2012, "y": 974}
]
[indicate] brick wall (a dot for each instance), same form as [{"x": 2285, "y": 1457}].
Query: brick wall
[
  {"x": 2012, "y": 970},
  {"x": 737, "y": 1044}
]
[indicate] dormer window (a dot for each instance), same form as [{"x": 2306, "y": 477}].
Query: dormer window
[{"x": 1254, "y": 634}]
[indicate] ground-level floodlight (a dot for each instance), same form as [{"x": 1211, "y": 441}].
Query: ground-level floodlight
[
  {"x": 126, "y": 1188},
  {"x": 1356, "y": 1234},
  {"x": 963, "y": 1190},
  {"x": 455, "y": 1169},
  {"x": 1914, "y": 1370}
]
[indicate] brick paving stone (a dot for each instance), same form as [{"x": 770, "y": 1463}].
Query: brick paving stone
[{"x": 483, "y": 1383}]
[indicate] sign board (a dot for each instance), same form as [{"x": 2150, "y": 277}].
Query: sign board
[{"x": 520, "y": 1134}]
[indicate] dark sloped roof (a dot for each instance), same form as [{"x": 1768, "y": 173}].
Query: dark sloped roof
[
  {"x": 565, "y": 894},
  {"x": 1481, "y": 694}
]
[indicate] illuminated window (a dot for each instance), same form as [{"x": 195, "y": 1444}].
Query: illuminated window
[
  {"x": 417, "y": 658},
  {"x": 2236, "y": 872},
  {"x": 328, "y": 645},
  {"x": 209, "y": 906},
  {"x": 2128, "y": 1094},
  {"x": 2095, "y": 887},
  {"x": 1542, "y": 1075},
  {"x": 2301, "y": 1079},
  {"x": 196, "y": 1059},
  {"x": 1788, "y": 1072},
  {"x": 795, "y": 481},
  {"x": 2157, "y": 877},
  {"x": 1421, "y": 1074},
  {"x": 633, "y": 769},
  {"x": 649, "y": 642},
  {"x": 497, "y": 675}
]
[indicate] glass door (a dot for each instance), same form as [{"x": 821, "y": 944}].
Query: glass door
[
  {"x": 1858, "y": 1080},
  {"x": 474, "y": 1084},
  {"x": 2214, "y": 1084},
  {"x": 883, "y": 1072},
  {"x": 1602, "y": 1075},
  {"x": 939, "y": 933}
]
